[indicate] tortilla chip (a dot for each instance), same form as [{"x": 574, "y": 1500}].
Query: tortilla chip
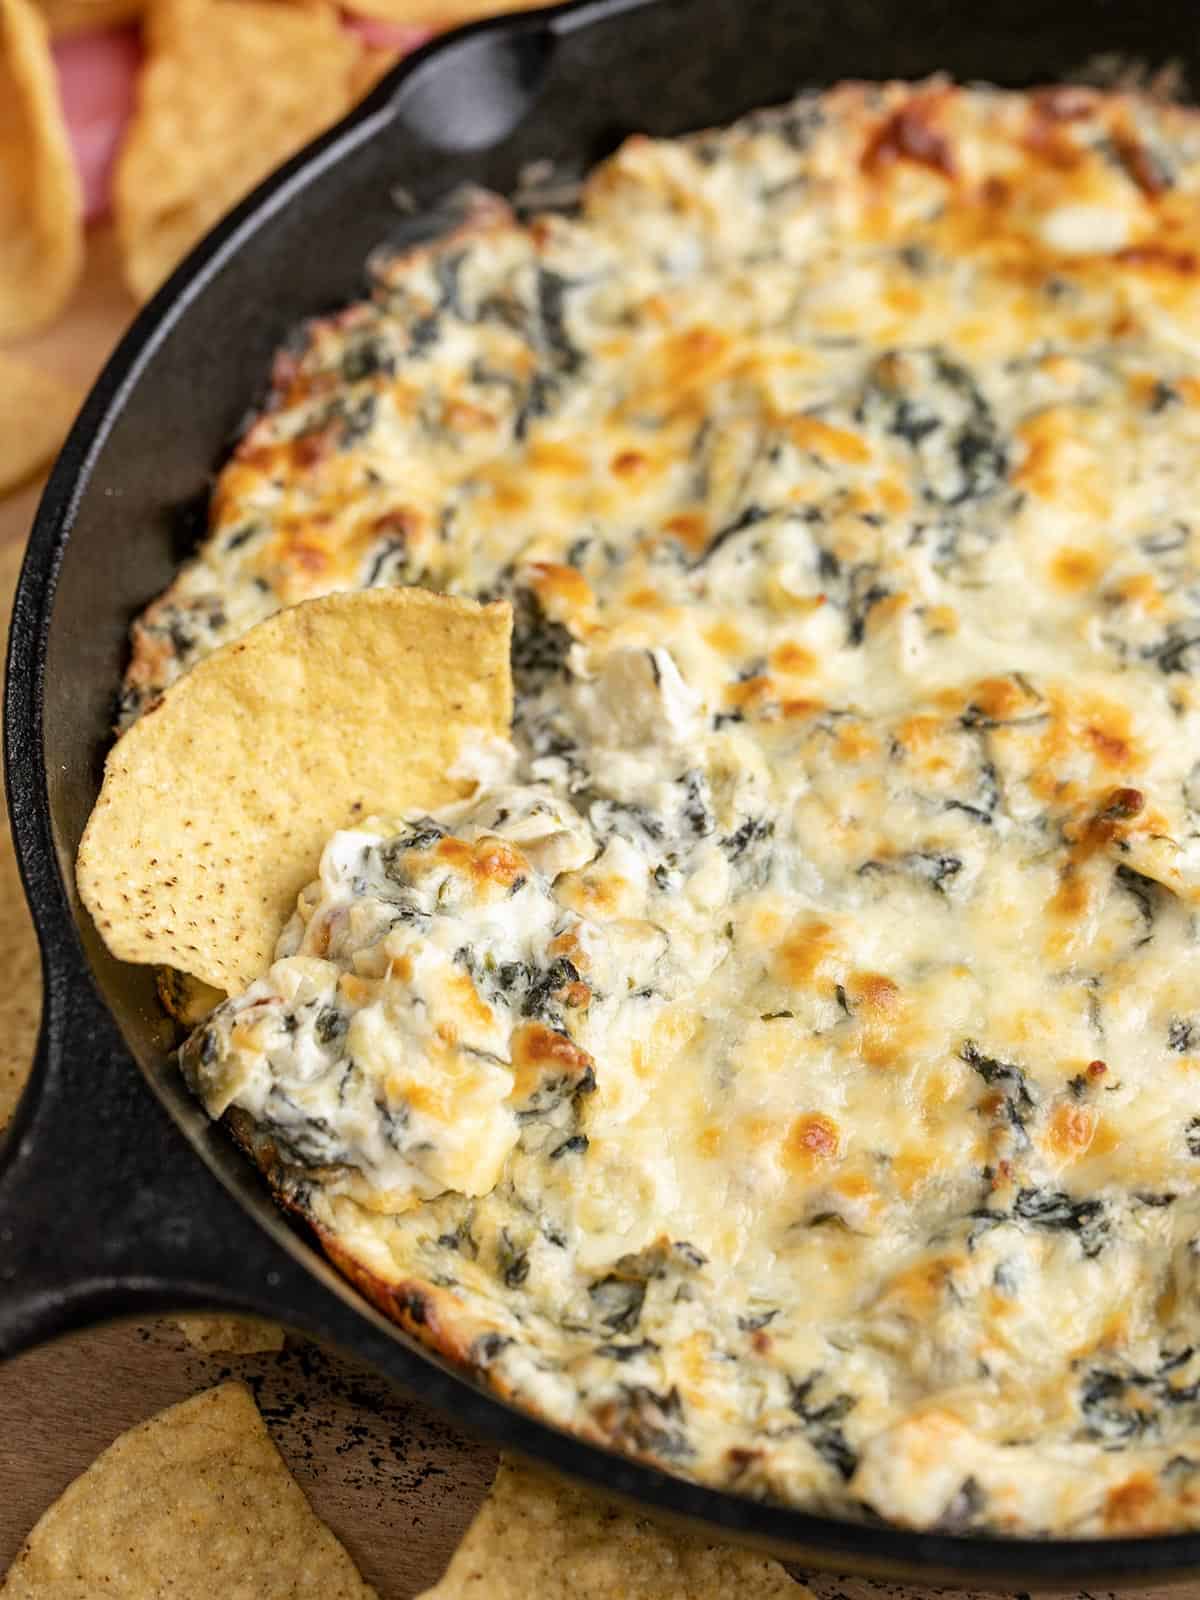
[
  {"x": 372, "y": 65},
  {"x": 21, "y": 994},
  {"x": 36, "y": 411},
  {"x": 216, "y": 804},
  {"x": 438, "y": 14},
  {"x": 86, "y": 16},
  {"x": 194, "y": 1504},
  {"x": 41, "y": 202},
  {"x": 186, "y": 999},
  {"x": 231, "y": 1336},
  {"x": 536, "y": 1536},
  {"x": 230, "y": 89}
]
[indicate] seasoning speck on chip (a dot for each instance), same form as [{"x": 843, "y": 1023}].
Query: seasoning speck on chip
[
  {"x": 537, "y": 1537},
  {"x": 194, "y": 1504},
  {"x": 216, "y": 805},
  {"x": 41, "y": 204}
]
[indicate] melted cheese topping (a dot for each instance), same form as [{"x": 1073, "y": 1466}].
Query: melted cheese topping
[{"x": 786, "y": 1066}]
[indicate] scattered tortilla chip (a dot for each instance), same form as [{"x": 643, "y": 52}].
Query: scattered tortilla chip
[
  {"x": 439, "y": 14},
  {"x": 231, "y": 1336},
  {"x": 36, "y": 411},
  {"x": 21, "y": 994},
  {"x": 194, "y": 1504},
  {"x": 41, "y": 203},
  {"x": 216, "y": 804},
  {"x": 64, "y": 17},
  {"x": 534, "y": 1536},
  {"x": 372, "y": 65},
  {"x": 230, "y": 89}
]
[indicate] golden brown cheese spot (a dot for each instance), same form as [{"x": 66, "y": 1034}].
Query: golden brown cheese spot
[
  {"x": 923, "y": 736},
  {"x": 839, "y": 444},
  {"x": 876, "y": 995},
  {"x": 562, "y": 591},
  {"x": 691, "y": 529},
  {"x": 1072, "y": 1129},
  {"x": 595, "y": 893},
  {"x": 1134, "y": 1506},
  {"x": 751, "y": 694},
  {"x": 1074, "y": 570},
  {"x": 1112, "y": 749},
  {"x": 538, "y": 1052},
  {"x": 630, "y": 465},
  {"x": 1120, "y": 812},
  {"x": 800, "y": 710},
  {"x": 808, "y": 952},
  {"x": 709, "y": 1141},
  {"x": 912, "y": 1167},
  {"x": 683, "y": 365},
  {"x": 568, "y": 944},
  {"x": 793, "y": 659},
  {"x": 1139, "y": 591},
  {"x": 1154, "y": 257},
  {"x": 358, "y": 991},
  {"x": 507, "y": 497},
  {"x": 812, "y": 1140},
  {"x": 726, "y": 639},
  {"x": 465, "y": 1001},
  {"x": 644, "y": 599},
  {"x": 919, "y": 1288},
  {"x": 1106, "y": 1136},
  {"x": 855, "y": 742},
  {"x": 490, "y": 862},
  {"x": 460, "y": 416},
  {"x": 555, "y": 459},
  {"x": 894, "y": 497},
  {"x": 909, "y": 134}
]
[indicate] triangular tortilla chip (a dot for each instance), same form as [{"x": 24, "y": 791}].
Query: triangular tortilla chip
[
  {"x": 216, "y": 804},
  {"x": 194, "y": 1504},
  {"x": 230, "y": 89},
  {"x": 534, "y": 1536},
  {"x": 41, "y": 202},
  {"x": 36, "y": 411},
  {"x": 21, "y": 995},
  {"x": 230, "y": 1336}
]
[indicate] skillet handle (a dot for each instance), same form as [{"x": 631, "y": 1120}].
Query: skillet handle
[{"x": 105, "y": 1209}]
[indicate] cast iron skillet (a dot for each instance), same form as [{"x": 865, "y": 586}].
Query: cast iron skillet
[{"x": 116, "y": 1196}]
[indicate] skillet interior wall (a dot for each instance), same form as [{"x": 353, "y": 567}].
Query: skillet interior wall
[{"x": 477, "y": 112}]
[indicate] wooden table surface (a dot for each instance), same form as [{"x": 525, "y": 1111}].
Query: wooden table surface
[{"x": 395, "y": 1482}]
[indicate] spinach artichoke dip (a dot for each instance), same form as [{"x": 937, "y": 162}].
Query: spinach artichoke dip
[{"x": 785, "y": 1066}]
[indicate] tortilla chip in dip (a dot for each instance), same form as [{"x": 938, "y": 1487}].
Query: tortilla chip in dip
[
  {"x": 217, "y": 802},
  {"x": 41, "y": 203},
  {"x": 194, "y": 1504},
  {"x": 535, "y": 1536}
]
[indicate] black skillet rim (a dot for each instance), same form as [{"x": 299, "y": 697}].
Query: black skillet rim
[{"x": 871, "y": 1547}]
